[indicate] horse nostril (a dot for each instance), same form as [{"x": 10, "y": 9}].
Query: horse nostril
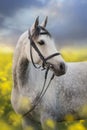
[
  {"x": 62, "y": 66},
  {"x": 51, "y": 66}
]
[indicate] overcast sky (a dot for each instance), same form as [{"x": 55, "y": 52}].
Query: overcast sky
[{"x": 67, "y": 19}]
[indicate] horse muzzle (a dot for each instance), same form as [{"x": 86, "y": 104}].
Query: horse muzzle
[{"x": 59, "y": 69}]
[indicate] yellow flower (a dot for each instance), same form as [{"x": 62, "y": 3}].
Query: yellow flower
[
  {"x": 15, "y": 119},
  {"x": 82, "y": 121},
  {"x": 4, "y": 126},
  {"x": 29, "y": 128},
  {"x": 25, "y": 103},
  {"x": 69, "y": 117},
  {"x": 50, "y": 123},
  {"x": 77, "y": 126},
  {"x": 1, "y": 111}
]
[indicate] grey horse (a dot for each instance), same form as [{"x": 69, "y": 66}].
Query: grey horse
[{"x": 67, "y": 93}]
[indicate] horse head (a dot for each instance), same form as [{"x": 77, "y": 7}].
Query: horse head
[{"x": 44, "y": 51}]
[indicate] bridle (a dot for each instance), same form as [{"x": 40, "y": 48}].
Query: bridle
[
  {"x": 32, "y": 44},
  {"x": 45, "y": 65}
]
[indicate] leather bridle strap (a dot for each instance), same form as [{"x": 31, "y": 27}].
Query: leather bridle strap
[
  {"x": 44, "y": 60},
  {"x": 32, "y": 44},
  {"x": 45, "y": 65},
  {"x": 51, "y": 56}
]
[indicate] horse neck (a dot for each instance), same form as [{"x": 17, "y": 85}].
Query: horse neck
[{"x": 20, "y": 62}]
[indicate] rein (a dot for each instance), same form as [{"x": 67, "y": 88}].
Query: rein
[{"x": 45, "y": 66}]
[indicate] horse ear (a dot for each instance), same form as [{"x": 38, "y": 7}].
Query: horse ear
[
  {"x": 44, "y": 23},
  {"x": 36, "y": 22},
  {"x": 33, "y": 27}
]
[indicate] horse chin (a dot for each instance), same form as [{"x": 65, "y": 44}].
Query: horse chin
[{"x": 59, "y": 73}]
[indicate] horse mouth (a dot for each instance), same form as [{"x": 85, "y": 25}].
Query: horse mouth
[{"x": 58, "y": 71}]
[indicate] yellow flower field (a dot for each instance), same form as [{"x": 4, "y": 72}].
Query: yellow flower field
[{"x": 8, "y": 119}]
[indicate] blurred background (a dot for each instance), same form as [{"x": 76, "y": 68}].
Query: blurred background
[
  {"x": 67, "y": 19},
  {"x": 67, "y": 22}
]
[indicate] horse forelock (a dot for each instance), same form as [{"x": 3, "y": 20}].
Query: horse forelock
[{"x": 40, "y": 31}]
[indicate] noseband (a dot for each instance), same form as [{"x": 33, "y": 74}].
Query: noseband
[{"x": 45, "y": 65}]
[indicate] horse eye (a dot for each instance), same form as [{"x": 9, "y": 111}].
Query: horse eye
[{"x": 41, "y": 42}]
